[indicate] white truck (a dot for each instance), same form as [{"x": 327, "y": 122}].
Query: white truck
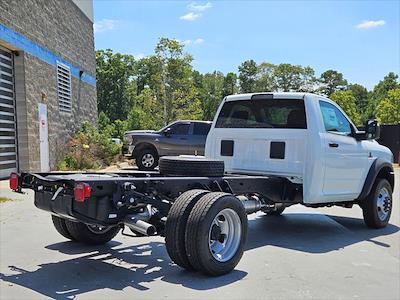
[{"x": 264, "y": 152}]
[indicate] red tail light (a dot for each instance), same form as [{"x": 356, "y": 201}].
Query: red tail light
[
  {"x": 14, "y": 181},
  {"x": 82, "y": 191}
]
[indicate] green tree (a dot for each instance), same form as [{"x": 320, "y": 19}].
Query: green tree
[
  {"x": 211, "y": 93},
  {"x": 148, "y": 72},
  {"x": 113, "y": 75},
  {"x": 230, "y": 85},
  {"x": 308, "y": 80},
  {"x": 361, "y": 95},
  {"x": 103, "y": 121},
  {"x": 380, "y": 91},
  {"x": 331, "y": 81},
  {"x": 247, "y": 76},
  {"x": 266, "y": 81},
  {"x": 347, "y": 101},
  {"x": 146, "y": 114},
  {"x": 288, "y": 77},
  {"x": 388, "y": 110},
  {"x": 169, "y": 75}
]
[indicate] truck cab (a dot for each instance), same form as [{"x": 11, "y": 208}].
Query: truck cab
[{"x": 304, "y": 137}]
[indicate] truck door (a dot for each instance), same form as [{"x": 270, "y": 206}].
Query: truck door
[
  {"x": 175, "y": 139},
  {"x": 344, "y": 159}
]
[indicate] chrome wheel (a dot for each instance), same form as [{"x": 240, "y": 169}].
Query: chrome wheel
[
  {"x": 383, "y": 204},
  {"x": 96, "y": 229},
  {"x": 148, "y": 160},
  {"x": 224, "y": 235}
]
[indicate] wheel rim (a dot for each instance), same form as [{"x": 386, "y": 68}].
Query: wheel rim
[
  {"x": 148, "y": 160},
  {"x": 96, "y": 229},
  {"x": 224, "y": 235},
  {"x": 383, "y": 204}
]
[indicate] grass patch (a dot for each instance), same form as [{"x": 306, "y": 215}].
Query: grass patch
[{"x": 5, "y": 199}]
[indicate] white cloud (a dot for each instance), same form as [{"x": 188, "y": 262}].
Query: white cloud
[
  {"x": 191, "y": 42},
  {"x": 370, "y": 24},
  {"x": 197, "y": 7},
  {"x": 190, "y": 16},
  {"x": 198, "y": 41},
  {"x": 104, "y": 25}
]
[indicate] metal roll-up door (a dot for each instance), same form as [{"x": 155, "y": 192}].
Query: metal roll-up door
[{"x": 8, "y": 147}]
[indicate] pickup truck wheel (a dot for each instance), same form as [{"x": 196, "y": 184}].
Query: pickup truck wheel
[
  {"x": 216, "y": 232},
  {"x": 175, "y": 226},
  {"x": 61, "y": 227},
  {"x": 146, "y": 159},
  {"x": 377, "y": 207},
  {"x": 191, "y": 166},
  {"x": 91, "y": 234}
]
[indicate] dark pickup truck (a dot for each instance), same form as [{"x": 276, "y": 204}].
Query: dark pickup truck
[{"x": 177, "y": 138}]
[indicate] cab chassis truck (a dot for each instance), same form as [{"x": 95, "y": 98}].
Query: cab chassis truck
[{"x": 264, "y": 152}]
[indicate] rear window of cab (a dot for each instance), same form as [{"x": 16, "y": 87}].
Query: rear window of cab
[{"x": 266, "y": 113}]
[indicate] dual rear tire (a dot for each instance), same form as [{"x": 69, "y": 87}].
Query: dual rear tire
[
  {"x": 84, "y": 233},
  {"x": 206, "y": 232}
]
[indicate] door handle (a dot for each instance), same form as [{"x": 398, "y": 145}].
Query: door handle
[
  {"x": 333, "y": 145},
  {"x": 184, "y": 139}
]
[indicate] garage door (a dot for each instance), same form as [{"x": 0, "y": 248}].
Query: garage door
[{"x": 8, "y": 149}]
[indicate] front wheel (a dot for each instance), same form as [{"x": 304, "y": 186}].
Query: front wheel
[
  {"x": 377, "y": 207},
  {"x": 216, "y": 233},
  {"x": 146, "y": 159}
]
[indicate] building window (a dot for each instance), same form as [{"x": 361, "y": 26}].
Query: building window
[{"x": 64, "y": 88}]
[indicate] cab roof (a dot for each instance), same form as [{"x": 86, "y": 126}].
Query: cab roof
[{"x": 269, "y": 95}]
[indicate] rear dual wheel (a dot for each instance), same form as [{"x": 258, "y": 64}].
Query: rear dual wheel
[
  {"x": 175, "y": 226},
  {"x": 84, "y": 233},
  {"x": 215, "y": 232}
]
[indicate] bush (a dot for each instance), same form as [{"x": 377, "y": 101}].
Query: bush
[{"x": 89, "y": 149}]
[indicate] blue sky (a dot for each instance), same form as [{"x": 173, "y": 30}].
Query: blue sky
[{"x": 358, "y": 38}]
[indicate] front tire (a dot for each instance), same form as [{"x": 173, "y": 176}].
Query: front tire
[
  {"x": 216, "y": 233},
  {"x": 377, "y": 207},
  {"x": 146, "y": 159},
  {"x": 91, "y": 234}
]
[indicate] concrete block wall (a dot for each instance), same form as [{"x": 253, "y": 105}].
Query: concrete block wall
[{"x": 61, "y": 28}]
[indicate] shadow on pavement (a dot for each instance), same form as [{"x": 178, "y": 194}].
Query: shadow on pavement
[
  {"x": 312, "y": 233},
  {"x": 110, "y": 266}
]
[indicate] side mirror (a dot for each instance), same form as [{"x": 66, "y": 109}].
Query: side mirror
[
  {"x": 168, "y": 131},
  {"x": 372, "y": 130}
]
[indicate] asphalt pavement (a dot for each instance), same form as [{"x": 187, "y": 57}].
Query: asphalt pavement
[{"x": 304, "y": 254}]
